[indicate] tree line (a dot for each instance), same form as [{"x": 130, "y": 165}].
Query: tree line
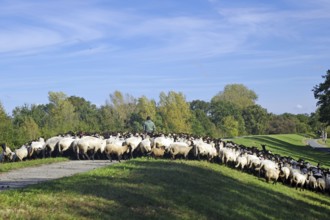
[{"x": 231, "y": 112}]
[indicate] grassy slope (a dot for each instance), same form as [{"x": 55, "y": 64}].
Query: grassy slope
[
  {"x": 287, "y": 145},
  {"x": 164, "y": 189}
]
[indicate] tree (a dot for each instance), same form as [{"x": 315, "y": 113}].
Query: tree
[
  {"x": 200, "y": 105},
  {"x": 230, "y": 126},
  {"x": 6, "y": 128},
  {"x": 221, "y": 109},
  {"x": 256, "y": 119},
  {"x": 175, "y": 112},
  {"x": 87, "y": 114},
  {"x": 27, "y": 131},
  {"x": 122, "y": 107},
  {"x": 62, "y": 114},
  {"x": 202, "y": 125},
  {"x": 238, "y": 94},
  {"x": 322, "y": 93}
]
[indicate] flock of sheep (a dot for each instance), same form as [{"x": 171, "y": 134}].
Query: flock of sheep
[{"x": 272, "y": 167}]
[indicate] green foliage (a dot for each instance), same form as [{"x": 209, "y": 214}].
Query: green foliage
[
  {"x": 237, "y": 94},
  {"x": 175, "y": 112},
  {"x": 322, "y": 94},
  {"x": 202, "y": 125},
  {"x": 121, "y": 107},
  {"x": 219, "y": 110},
  {"x": 256, "y": 119},
  {"x": 62, "y": 114},
  {"x": 6, "y": 127},
  {"x": 230, "y": 126}
]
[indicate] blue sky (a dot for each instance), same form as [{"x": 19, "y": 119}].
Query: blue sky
[{"x": 279, "y": 49}]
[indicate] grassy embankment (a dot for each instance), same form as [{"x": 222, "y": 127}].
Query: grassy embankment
[{"x": 164, "y": 189}]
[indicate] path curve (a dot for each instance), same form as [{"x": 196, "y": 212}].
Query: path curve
[
  {"x": 32, "y": 175},
  {"x": 314, "y": 144}
]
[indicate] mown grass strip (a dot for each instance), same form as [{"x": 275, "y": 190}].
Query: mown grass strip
[{"x": 163, "y": 189}]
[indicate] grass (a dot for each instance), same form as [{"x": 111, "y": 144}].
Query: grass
[
  {"x": 287, "y": 145},
  {"x": 5, "y": 167},
  {"x": 163, "y": 189}
]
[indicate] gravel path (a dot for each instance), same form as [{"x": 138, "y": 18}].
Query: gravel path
[
  {"x": 33, "y": 175},
  {"x": 314, "y": 144}
]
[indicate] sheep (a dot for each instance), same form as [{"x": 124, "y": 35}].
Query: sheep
[
  {"x": 163, "y": 141},
  {"x": 180, "y": 148},
  {"x": 133, "y": 142},
  {"x": 118, "y": 148},
  {"x": 204, "y": 149},
  {"x": 89, "y": 143},
  {"x": 51, "y": 143},
  {"x": 67, "y": 145},
  {"x": 21, "y": 153},
  {"x": 272, "y": 174},
  {"x": 311, "y": 180},
  {"x": 298, "y": 179},
  {"x": 37, "y": 147},
  {"x": 229, "y": 155},
  {"x": 284, "y": 174},
  {"x": 266, "y": 165},
  {"x": 321, "y": 185},
  {"x": 7, "y": 154},
  {"x": 241, "y": 161},
  {"x": 145, "y": 146},
  {"x": 157, "y": 152}
]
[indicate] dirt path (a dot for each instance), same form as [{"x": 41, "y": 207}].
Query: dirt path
[{"x": 33, "y": 175}]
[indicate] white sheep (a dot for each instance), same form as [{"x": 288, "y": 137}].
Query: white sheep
[
  {"x": 204, "y": 149},
  {"x": 163, "y": 141},
  {"x": 133, "y": 142},
  {"x": 21, "y": 153},
  {"x": 51, "y": 143},
  {"x": 180, "y": 148},
  {"x": 298, "y": 179},
  {"x": 37, "y": 147},
  {"x": 89, "y": 143},
  {"x": 241, "y": 161},
  {"x": 266, "y": 165},
  {"x": 285, "y": 174}
]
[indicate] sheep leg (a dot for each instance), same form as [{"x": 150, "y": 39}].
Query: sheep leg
[
  {"x": 109, "y": 157},
  {"x": 119, "y": 158},
  {"x": 86, "y": 155}
]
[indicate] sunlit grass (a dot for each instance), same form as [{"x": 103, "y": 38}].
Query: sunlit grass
[{"x": 163, "y": 189}]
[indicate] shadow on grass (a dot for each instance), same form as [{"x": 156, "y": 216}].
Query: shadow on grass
[
  {"x": 296, "y": 151},
  {"x": 159, "y": 189}
]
